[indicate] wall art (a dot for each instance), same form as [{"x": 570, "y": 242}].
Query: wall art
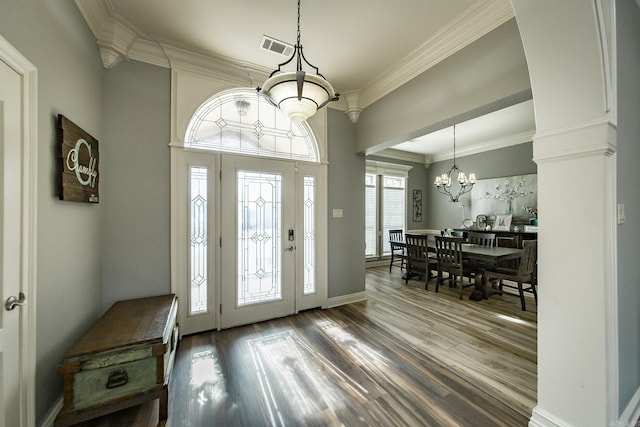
[
  {"x": 79, "y": 160},
  {"x": 509, "y": 195},
  {"x": 417, "y": 205}
]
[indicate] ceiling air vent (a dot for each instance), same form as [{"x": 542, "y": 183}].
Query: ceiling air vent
[{"x": 273, "y": 45}]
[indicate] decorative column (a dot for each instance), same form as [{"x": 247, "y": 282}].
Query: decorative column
[{"x": 567, "y": 53}]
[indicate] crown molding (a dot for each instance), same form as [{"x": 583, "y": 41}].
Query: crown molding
[
  {"x": 475, "y": 22},
  {"x": 114, "y": 36},
  {"x": 150, "y": 52},
  {"x": 119, "y": 40},
  {"x": 493, "y": 144},
  {"x": 226, "y": 69},
  {"x": 405, "y": 156}
]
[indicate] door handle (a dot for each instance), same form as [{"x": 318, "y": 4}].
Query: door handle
[
  {"x": 290, "y": 249},
  {"x": 13, "y": 302}
]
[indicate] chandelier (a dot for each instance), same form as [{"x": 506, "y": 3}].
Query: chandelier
[
  {"x": 464, "y": 183},
  {"x": 296, "y": 93}
]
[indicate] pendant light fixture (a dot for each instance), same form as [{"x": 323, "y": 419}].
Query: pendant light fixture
[
  {"x": 298, "y": 94},
  {"x": 444, "y": 182}
]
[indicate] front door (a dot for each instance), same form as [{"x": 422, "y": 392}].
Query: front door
[
  {"x": 259, "y": 239},
  {"x": 16, "y": 362}
]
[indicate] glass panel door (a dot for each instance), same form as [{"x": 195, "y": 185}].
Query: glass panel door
[{"x": 258, "y": 237}]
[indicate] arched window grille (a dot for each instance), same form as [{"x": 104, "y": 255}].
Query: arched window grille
[{"x": 242, "y": 121}]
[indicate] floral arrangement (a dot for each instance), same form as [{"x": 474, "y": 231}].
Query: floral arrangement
[
  {"x": 507, "y": 192},
  {"x": 531, "y": 211}
]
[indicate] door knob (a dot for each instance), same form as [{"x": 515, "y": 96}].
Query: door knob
[
  {"x": 290, "y": 249},
  {"x": 13, "y": 302}
]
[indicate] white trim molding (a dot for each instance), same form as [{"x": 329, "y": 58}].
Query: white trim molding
[
  {"x": 28, "y": 233},
  {"x": 631, "y": 414},
  {"x": 481, "y": 18},
  {"x": 600, "y": 136},
  {"x": 541, "y": 418},
  {"x": 389, "y": 169},
  {"x": 407, "y": 156},
  {"x": 119, "y": 40},
  {"x": 50, "y": 418},
  {"x": 481, "y": 147},
  {"x": 346, "y": 299}
]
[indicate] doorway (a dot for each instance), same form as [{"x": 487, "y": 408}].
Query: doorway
[{"x": 18, "y": 123}]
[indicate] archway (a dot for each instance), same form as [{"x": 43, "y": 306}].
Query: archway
[{"x": 567, "y": 45}]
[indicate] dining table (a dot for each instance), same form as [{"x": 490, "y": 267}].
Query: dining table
[{"x": 484, "y": 258}]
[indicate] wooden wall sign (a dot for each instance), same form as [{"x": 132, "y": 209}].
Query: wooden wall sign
[{"x": 79, "y": 160}]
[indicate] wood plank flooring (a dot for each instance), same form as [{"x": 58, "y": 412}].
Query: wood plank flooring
[{"x": 404, "y": 357}]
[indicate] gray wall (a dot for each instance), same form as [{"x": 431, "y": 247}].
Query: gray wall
[
  {"x": 54, "y": 37},
  {"x": 485, "y": 76},
  {"x": 508, "y": 161},
  {"x": 346, "y": 191},
  {"x": 628, "y": 177},
  {"x": 136, "y": 175}
]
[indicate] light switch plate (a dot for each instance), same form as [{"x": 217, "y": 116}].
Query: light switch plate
[
  {"x": 621, "y": 213},
  {"x": 338, "y": 213}
]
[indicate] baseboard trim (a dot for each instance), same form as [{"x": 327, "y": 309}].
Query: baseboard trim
[
  {"x": 346, "y": 299},
  {"x": 377, "y": 262},
  {"x": 52, "y": 414},
  {"x": 542, "y": 418},
  {"x": 631, "y": 413}
]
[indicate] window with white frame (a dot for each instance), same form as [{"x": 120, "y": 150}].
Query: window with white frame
[{"x": 385, "y": 204}]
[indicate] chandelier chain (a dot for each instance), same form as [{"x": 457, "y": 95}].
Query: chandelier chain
[
  {"x": 454, "y": 145},
  {"x": 444, "y": 183},
  {"x": 298, "y": 46},
  {"x": 299, "y": 94},
  {"x": 298, "y": 23}
]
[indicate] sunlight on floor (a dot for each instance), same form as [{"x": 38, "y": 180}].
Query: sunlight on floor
[
  {"x": 207, "y": 379},
  {"x": 363, "y": 354},
  {"x": 513, "y": 319},
  {"x": 291, "y": 373}
]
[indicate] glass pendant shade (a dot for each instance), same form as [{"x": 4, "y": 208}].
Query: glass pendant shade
[
  {"x": 283, "y": 90},
  {"x": 298, "y": 94}
]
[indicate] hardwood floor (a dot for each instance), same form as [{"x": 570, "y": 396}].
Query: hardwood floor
[{"x": 404, "y": 357}]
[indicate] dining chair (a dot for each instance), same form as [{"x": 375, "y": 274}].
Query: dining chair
[
  {"x": 396, "y": 241},
  {"x": 482, "y": 239},
  {"x": 449, "y": 257},
  {"x": 524, "y": 273},
  {"x": 419, "y": 263}
]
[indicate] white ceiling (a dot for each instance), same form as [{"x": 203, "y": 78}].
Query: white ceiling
[
  {"x": 502, "y": 128},
  {"x": 365, "y": 48}
]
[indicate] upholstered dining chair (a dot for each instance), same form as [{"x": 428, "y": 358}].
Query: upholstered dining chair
[
  {"x": 398, "y": 255},
  {"x": 449, "y": 257},
  {"x": 419, "y": 263},
  {"x": 523, "y": 274}
]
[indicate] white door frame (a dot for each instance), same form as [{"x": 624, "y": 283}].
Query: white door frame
[
  {"x": 29, "y": 73},
  {"x": 181, "y": 159}
]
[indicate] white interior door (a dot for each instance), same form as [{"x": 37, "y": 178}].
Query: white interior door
[
  {"x": 258, "y": 237},
  {"x": 16, "y": 363}
]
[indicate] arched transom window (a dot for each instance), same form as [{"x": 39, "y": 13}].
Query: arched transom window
[{"x": 244, "y": 122}]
